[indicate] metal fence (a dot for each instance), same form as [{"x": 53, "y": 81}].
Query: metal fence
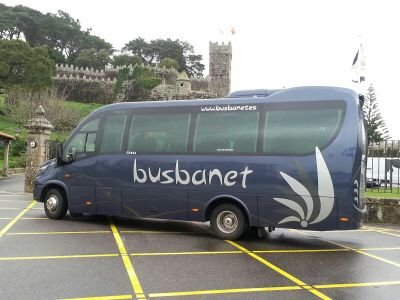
[
  {"x": 383, "y": 166},
  {"x": 51, "y": 149}
]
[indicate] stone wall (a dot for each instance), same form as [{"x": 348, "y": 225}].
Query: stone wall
[
  {"x": 172, "y": 92},
  {"x": 382, "y": 211},
  {"x": 200, "y": 84}
]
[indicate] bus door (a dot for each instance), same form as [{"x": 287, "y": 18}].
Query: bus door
[
  {"x": 154, "y": 144},
  {"x": 80, "y": 175}
]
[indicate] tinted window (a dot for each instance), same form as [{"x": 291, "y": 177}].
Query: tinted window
[
  {"x": 159, "y": 133},
  {"x": 226, "y": 132},
  {"x": 113, "y": 133},
  {"x": 300, "y": 131}
]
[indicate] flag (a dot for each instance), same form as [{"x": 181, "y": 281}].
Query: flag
[{"x": 358, "y": 67}]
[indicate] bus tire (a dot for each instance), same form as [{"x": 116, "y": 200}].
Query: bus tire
[
  {"x": 228, "y": 222},
  {"x": 55, "y": 204}
]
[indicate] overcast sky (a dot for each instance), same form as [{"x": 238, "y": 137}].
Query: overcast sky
[{"x": 276, "y": 44}]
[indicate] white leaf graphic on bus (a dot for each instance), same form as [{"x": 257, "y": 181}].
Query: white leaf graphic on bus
[{"x": 325, "y": 192}]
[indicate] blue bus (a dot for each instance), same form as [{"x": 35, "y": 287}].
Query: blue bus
[{"x": 291, "y": 158}]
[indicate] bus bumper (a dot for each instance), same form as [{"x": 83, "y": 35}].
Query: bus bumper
[{"x": 37, "y": 192}]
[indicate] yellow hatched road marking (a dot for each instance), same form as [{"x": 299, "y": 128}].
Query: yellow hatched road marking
[
  {"x": 58, "y": 256},
  {"x": 385, "y": 231},
  {"x": 42, "y": 218},
  {"x": 383, "y": 228},
  {"x": 261, "y": 251},
  {"x": 350, "y": 285},
  {"x": 226, "y": 291},
  {"x": 379, "y": 249},
  {"x": 280, "y": 271},
  {"x": 13, "y": 221},
  {"x": 5, "y": 218},
  {"x": 11, "y": 208},
  {"x": 160, "y": 232},
  {"x": 186, "y": 253},
  {"x": 301, "y": 250},
  {"x": 272, "y": 289},
  {"x": 58, "y": 232},
  {"x": 137, "y": 288},
  {"x": 13, "y": 200},
  {"x": 116, "y": 297},
  {"x": 366, "y": 253}
]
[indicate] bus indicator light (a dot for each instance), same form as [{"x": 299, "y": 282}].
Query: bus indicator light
[
  {"x": 344, "y": 219},
  {"x": 195, "y": 210}
]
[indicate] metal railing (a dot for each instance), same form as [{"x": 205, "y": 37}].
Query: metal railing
[{"x": 383, "y": 166}]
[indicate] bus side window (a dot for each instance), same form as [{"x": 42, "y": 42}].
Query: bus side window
[
  {"x": 299, "y": 131},
  {"x": 113, "y": 133},
  {"x": 159, "y": 133},
  {"x": 226, "y": 132}
]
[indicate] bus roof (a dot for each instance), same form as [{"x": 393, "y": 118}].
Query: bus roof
[
  {"x": 252, "y": 93},
  {"x": 308, "y": 93}
]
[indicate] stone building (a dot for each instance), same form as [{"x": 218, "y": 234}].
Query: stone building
[{"x": 173, "y": 85}]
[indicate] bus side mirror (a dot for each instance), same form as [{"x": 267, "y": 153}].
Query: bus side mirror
[
  {"x": 72, "y": 154},
  {"x": 59, "y": 154}
]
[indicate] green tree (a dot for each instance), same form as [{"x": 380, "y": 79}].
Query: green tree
[
  {"x": 169, "y": 63},
  {"x": 23, "y": 66},
  {"x": 60, "y": 33},
  {"x": 92, "y": 58},
  {"x": 376, "y": 126},
  {"x": 126, "y": 60},
  {"x": 155, "y": 51}
]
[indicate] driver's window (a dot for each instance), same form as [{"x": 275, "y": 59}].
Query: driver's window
[
  {"x": 78, "y": 142},
  {"x": 85, "y": 140}
]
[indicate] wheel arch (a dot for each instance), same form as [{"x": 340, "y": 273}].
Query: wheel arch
[
  {"x": 54, "y": 185},
  {"x": 222, "y": 199}
]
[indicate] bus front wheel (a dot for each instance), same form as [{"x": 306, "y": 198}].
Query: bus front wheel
[
  {"x": 55, "y": 204},
  {"x": 228, "y": 222}
]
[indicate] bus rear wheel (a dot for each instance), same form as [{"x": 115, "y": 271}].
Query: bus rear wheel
[
  {"x": 55, "y": 204},
  {"x": 228, "y": 222}
]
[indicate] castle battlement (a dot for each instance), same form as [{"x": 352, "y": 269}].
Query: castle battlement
[{"x": 220, "y": 48}]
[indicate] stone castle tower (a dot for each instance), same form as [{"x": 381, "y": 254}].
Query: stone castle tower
[{"x": 220, "y": 68}]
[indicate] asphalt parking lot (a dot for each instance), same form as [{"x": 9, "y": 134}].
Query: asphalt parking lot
[{"x": 102, "y": 258}]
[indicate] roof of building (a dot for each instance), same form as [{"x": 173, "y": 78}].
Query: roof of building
[{"x": 5, "y": 136}]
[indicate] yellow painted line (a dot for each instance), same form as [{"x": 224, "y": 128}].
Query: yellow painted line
[
  {"x": 115, "y": 297},
  {"x": 385, "y": 232},
  {"x": 13, "y": 200},
  {"x": 11, "y": 208},
  {"x": 13, "y": 221},
  {"x": 379, "y": 249},
  {"x": 43, "y": 218},
  {"x": 301, "y": 251},
  {"x": 382, "y": 228},
  {"x": 226, "y": 291},
  {"x": 59, "y": 232},
  {"x": 58, "y": 257},
  {"x": 350, "y": 285},
  {"x": 161, "y": 232},
  {"x": 137, "y": 288},
  {"x": 186, "y": 253},
  {"x": 280, "y": 271},
  {"x": 367, "y": 254}
]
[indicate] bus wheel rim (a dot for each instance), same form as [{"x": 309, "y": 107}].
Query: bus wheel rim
[
  {"x": 227, "y": 221},
  {"x": 52, "y": 203}
]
